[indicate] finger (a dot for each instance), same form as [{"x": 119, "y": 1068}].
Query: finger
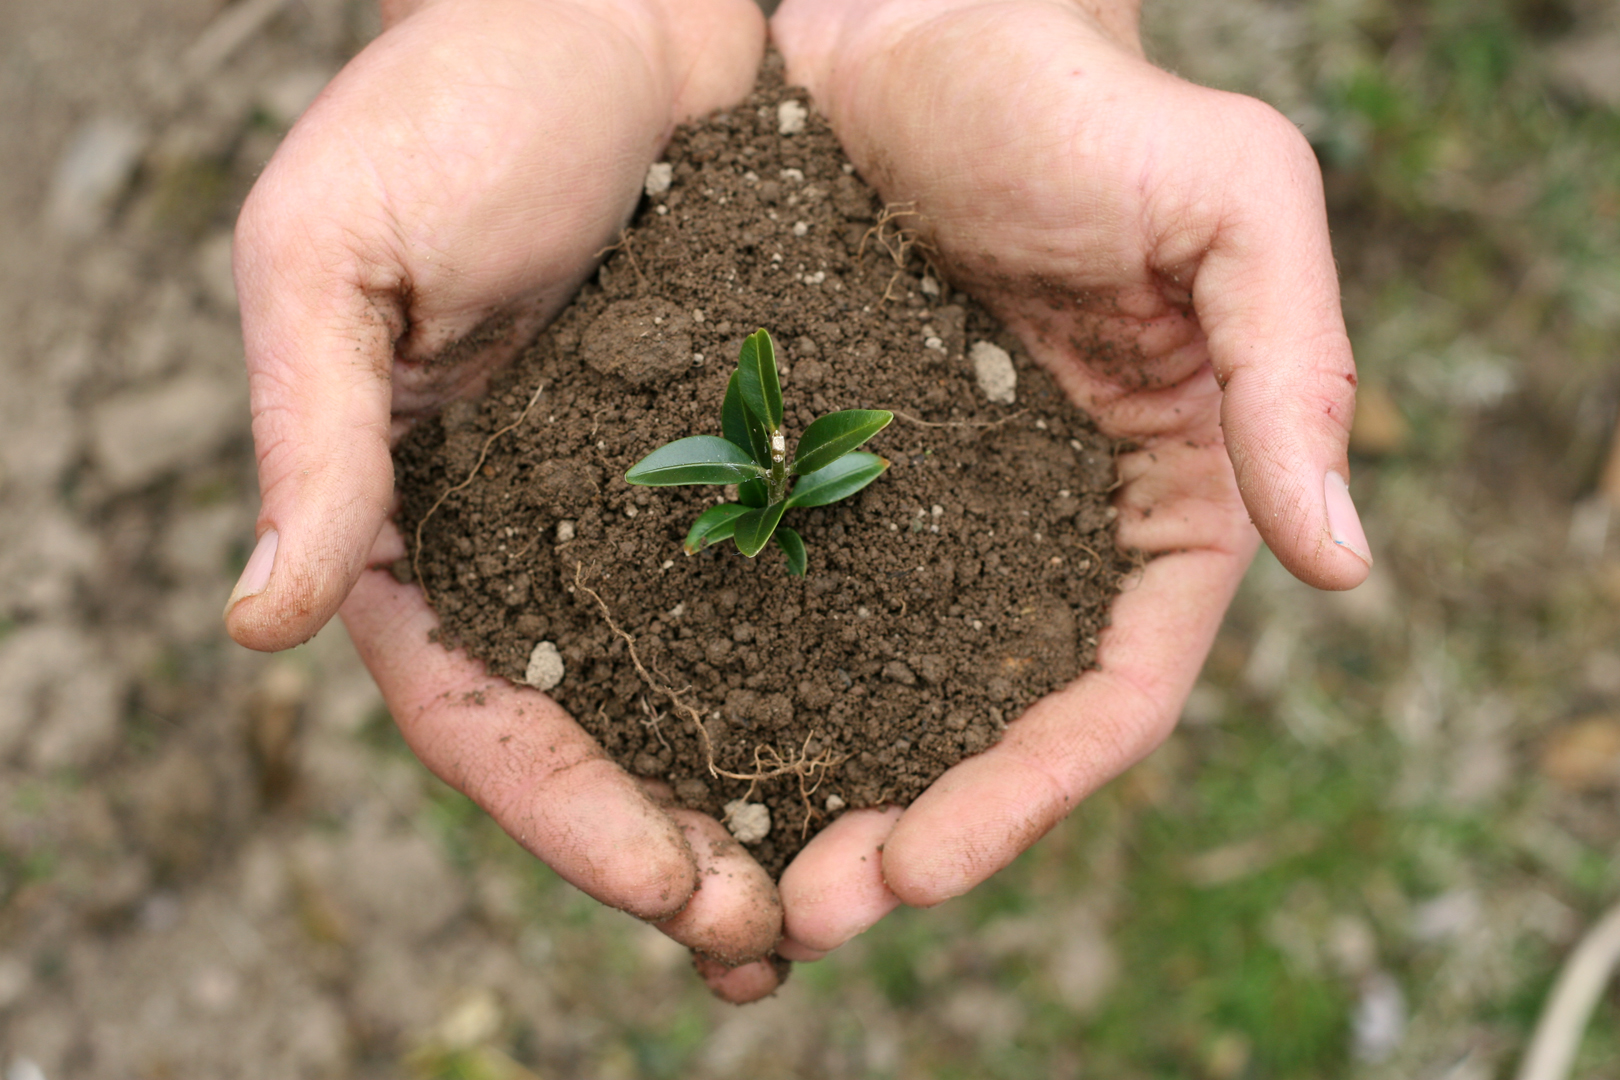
[
  {"x": 834, "y": 888},
  {"x": 319, "y": 346},
  {"x": 735, "y": 916},
  {"x": 980, "y": 814},
  {"x": 741, "y": 985},
  {"x": 515, "y": 753},
  {"x": 1267, "y": 295}
]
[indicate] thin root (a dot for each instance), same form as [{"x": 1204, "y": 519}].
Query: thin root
[
  {"x": 769, "y": 764},
  {"x": 629, "y": 253},
  {"x": 896, "y": 240},
  {"x": 472, "y": 474}
]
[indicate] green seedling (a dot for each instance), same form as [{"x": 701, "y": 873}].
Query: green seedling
[{"x": 753, "y": 455}]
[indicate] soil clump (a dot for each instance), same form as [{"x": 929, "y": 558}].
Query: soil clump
[{"x": 969, "y": 580}]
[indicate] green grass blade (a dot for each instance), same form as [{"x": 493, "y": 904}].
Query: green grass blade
[
  {"x": 839, "y": 480},
  {"x": 754, "y": 528},
  {"x": 741, "y": 426},
  {"x": 757, "y": 378},
  {"x": 830, "y": 437},
  {"x": 700, "y": 459},
  {"x": 715, "y": 524},
  {"x": 792, "y": 545}
]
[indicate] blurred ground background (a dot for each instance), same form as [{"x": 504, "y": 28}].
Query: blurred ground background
[{"x": 1384, "y": 821}]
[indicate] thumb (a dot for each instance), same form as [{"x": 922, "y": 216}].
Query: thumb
[
  {"x": 319, "y": 345},
  {"x": 1267, "y": 296}
]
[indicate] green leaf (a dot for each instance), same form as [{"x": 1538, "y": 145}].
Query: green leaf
[
  {"x": 699, "y": 459},
  {"x": 792, "y": 545},
  {"x": 839, "y": 480},
  {"x": 715, "y": 524},
  {"x": 830, "y": 437},
  {"x": 761, "y": 389},
  {"x": 754, "y": 493},
  {"x": 741, "y": 426},
  {"x": 754, "y": 528}
]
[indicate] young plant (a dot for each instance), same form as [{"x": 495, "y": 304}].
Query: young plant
[{"x": 753, "y": 455}]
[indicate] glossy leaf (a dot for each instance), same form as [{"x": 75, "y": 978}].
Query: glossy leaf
[
  {"x": 700, "y": 459},
  {"x": 754, "y": 528},
  {"x": 830, "y": 437},
  {"x": 758, "y": 381},
  {"x": 754, "y": 493},
  {"x": 792, "y": 545},
  {"x": 715, "y": 524},
  {"x": 742, "y": 427},
  {"x": 839, "y": 480}
]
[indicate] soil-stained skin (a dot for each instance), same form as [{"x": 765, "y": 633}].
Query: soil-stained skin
[{"x": 970, "y": 579}]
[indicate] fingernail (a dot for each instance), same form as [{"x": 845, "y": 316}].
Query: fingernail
[
  {"x": 1344, "y": 524},
  {"x": 256, "y": 574}
]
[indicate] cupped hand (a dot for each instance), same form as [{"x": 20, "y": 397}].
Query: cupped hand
[
  {"x": 441, "y": 200},
  {"x": 1162, "y": 249}
]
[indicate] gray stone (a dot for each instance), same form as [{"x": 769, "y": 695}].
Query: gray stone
[
  {"x": 60, "y": 697},
  {"x": 92, "y": 173},
  {"x": 44, "y": 554},
  {"x": 142, "y": 435},
  {"x": 214, "y": 271}
]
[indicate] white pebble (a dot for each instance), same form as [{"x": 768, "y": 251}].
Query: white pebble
[
  {"x": 660, "y": 174},
  {"x": 835, "y": 804},
  {"x": 545, "y": 668},
  {"x": 930, "y": 287},
  {"x": 800, "y": 228},
  {"x": 565, "y": 531},
  {"x": 994, "y": 370},
  {"x": 790, "y": 117},
  {"x": 749, "y": 822}
]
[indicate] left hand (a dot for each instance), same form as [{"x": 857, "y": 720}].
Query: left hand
[{"x": 1162, "y": 249}]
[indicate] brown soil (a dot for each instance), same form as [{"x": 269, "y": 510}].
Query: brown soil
[{"x": 968, "y": 581}]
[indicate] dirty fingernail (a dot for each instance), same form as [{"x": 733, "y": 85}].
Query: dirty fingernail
[
  {"x": 1344, "y": 524},
  {"x": 256, "y": 574}
]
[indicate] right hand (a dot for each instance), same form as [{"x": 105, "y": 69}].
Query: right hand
[{"x": 439, "y": 203}]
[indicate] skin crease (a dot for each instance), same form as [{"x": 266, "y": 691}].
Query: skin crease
[{"x": 1152, "y": 242}]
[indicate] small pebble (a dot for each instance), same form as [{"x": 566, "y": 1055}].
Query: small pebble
[
  {"x": 993, "y": 369},
  {"x": 835, "y": 804},
  {"x": 790, "y": 117},
  {"x": 545, "y": 668},
  {"x": 565, "y": 531},
  {"x": 749, "y": 822},
  {"x": 660, "y": 174}
]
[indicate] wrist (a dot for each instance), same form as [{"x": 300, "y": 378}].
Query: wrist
[
  {"x": 827, "y": 42},
  {"x": 708, "y": 51}
]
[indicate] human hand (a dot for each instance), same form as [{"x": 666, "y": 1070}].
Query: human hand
[
  {"x": 443, "y": 198},
  {"x": 1162, "y": 249}
]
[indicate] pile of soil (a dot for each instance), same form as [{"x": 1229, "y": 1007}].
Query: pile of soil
[{"x": 969, "y": 580}]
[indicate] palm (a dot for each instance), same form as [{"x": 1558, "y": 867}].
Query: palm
[
  {"x": 461, "y": 187},
  {"x": 443, "y": 198},
  {"x": 1116, "y": 218}
]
